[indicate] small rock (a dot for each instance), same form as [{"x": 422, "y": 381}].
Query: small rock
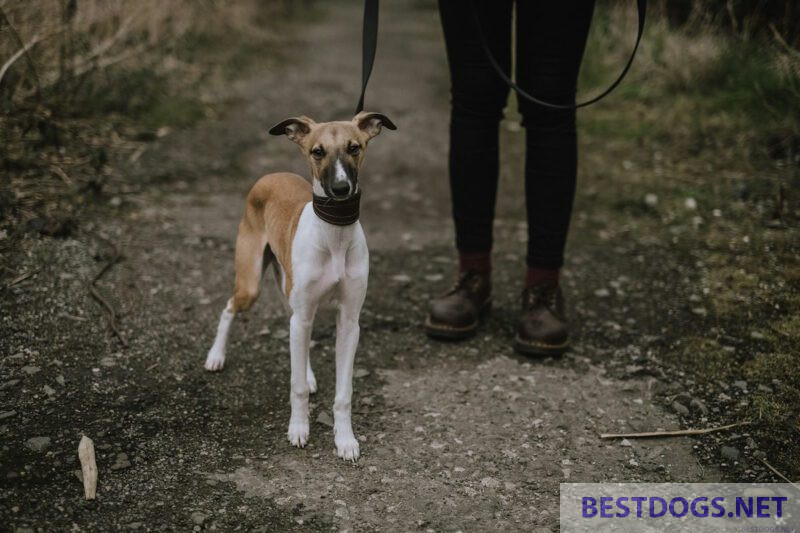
[
  {"x": 740, "y": 384},
  {"x": 401, "y": 278},
  {"x": 699, "y": 405},
  {"x": 199, "y": 517},
  {"x": 602, "y": 293},
  {"x": 699, "y": 311},
  {"x": 757, "y": 335},
  {"x": 434, "y": 277},
  {"x": 8, "y": 384},
  {"x": 490, "y": 482},
  {"x": 690, "y": 204},
  {"x": 108, "y": 362},
  {"x": 361, "y": 373},
  {"x": 50, "y": 391},
  {"x": 626, "y": 443},
  {"x": 729, "y": 453},
  {"x": 281, "y": 334},
  {"x": 121, "y": 462},
  {"x": 38, "y": 444},
  {"x": 30, "y": 369},
  {"x": 325, "y": 418},
  {"x": 680, "y": 408},
  {"x": 651, "y": 199},
  {"x": 60, "y": 380}
]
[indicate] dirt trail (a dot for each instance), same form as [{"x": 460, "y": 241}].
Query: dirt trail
[{"x": 454, "y": 436}]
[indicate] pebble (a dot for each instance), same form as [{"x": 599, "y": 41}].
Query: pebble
[
  {"x": 602, "y": 293},
  {"x": 680, "y": 408},
  {"x": 281, "y": 334},
  {"x": 38, "y": 444},
  {"x": 121, "y": 462},
  {"x": 50, "y": 391},
  {"x": 325, "y": 418},
  {"x": 490, "y": 482},
  {"x": 198, "y": 518},
  {"x": 401, "y": 278},
  {"x": 741, "y": 384},
  {"x": 30, "y": 369},
  {"x": 361, "y": 373},
  {"x": 60, "y": 380},
  {"x": 626, "y": 443},
  {"x": 651, "y": 199},
  {"x": 699, "y": 405},
  {"x": 9, "y": 383},
  {"x": 690, "y": 203},
  {"x": 730, "y": 453}
]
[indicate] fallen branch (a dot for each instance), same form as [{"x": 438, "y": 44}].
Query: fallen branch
[
  {"x": 111, "y": 313},
  {"x": 775, "y": 471},
  {"x": 88, "y": 467},
  {"x": 675, "y": 433}
]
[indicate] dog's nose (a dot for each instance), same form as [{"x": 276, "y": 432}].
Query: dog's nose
[{"x": 341, "y": 188}]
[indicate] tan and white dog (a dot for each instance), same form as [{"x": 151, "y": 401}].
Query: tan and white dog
[{"x": 310, "y": 233}]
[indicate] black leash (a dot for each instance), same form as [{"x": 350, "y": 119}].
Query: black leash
[
  {"x": 641, "y": 6},
  {"x": 369, "y": 42}
]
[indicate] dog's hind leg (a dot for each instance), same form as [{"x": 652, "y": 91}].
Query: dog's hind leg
[{"x": 252, "y": 256}]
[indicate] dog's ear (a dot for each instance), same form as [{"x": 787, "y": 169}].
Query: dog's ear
[
  {"x": 371, "y": 123},
  {"x": 296, "y": 128}
]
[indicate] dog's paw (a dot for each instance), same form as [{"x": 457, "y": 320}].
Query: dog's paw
[
  {"x": 347, "y": 447},
  {"x": 298, "y": 434},
  {"x": 215, "y": 361}
]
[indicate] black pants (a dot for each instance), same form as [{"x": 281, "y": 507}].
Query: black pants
[{"x": 551, "y": 37}]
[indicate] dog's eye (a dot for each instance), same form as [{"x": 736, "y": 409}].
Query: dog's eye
[
  {"x": 318, "y": 152},
  {"x": 353, "y": 149}
]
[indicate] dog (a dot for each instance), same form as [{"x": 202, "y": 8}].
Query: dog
[{"x": 311, "y": 234}]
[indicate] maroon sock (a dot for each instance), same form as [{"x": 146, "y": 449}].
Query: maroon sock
[
  {"x": 541, "y": 276},
  {"x": 480, "y": 262}
]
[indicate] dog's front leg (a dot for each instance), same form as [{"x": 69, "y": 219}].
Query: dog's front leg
[
  {"x": 299, "y": 340},
  {"x": 347, "y": 333}
]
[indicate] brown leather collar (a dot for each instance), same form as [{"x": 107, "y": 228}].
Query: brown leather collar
[{"x": 338, "y": 212}]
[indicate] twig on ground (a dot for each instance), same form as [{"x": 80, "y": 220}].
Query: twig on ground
[
  {"x": 674, "y": 433},
  {"x": 88, "y": 467},
  {"x": 20, "y": 278},
  {"x": 111, "y": 314},
  {"x": 775, "y": 471}
]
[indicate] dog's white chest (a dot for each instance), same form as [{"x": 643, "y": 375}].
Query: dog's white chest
[{"x": 326, "y": 257}]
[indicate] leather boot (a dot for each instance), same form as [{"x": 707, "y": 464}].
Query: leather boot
[
  {"x": 456, "y": 314},
  {"x": 542, "y": 328}
]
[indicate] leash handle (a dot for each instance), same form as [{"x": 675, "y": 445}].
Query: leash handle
[
  {"x": 641, "y": 7},
  {"x": 369, "y": 43}
]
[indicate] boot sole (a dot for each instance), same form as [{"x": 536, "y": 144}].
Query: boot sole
[
  {"x": 539, "y": 348},
  {"x": 455, "y": 333}
]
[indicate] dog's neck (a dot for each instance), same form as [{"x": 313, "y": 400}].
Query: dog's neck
[{"x": 337, "y": 212}]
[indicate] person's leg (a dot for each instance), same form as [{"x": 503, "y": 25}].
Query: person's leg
[
  {"x": 551, "y": 37},
  {"x": 478, "y": 98}
]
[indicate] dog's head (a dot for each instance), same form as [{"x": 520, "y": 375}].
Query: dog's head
[{"x": 335, "y": 150}]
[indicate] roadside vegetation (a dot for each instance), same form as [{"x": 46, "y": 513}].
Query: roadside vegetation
[
  {"x": 87, "y": 82},
  {"x": 713, "y": 109}
]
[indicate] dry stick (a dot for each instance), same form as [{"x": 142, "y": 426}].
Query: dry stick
[
  {"x": 20, "y": 278},
  {"x": 109, "y": 309},
  {"x": 676, "y": 433},
  {"x": 28, "y": 59},
  {"x": 88, "y": 467},
  {"x": 775, "y": 471}
]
